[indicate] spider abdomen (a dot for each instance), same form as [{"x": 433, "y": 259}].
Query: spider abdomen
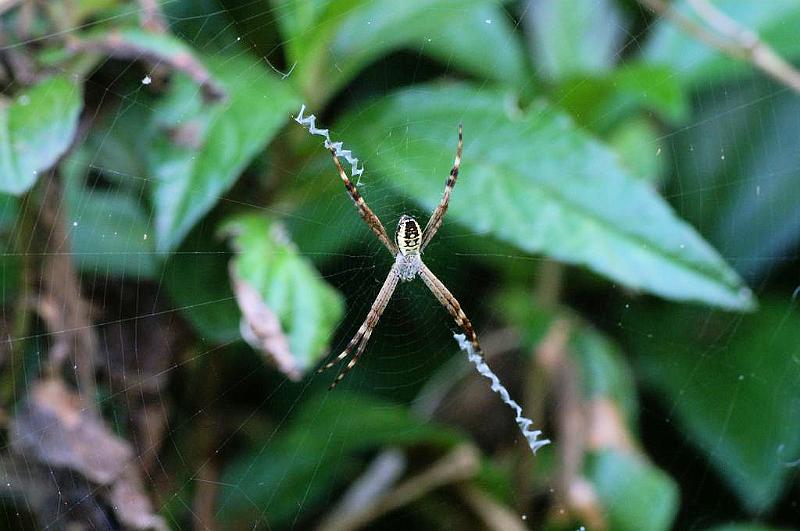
[{"x": 408, "y": 235}]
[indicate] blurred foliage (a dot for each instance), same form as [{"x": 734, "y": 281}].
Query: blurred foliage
[{"x": 178, "y": 256}]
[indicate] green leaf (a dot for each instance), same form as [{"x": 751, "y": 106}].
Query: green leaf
[
  {"x": 10, "y": 261},
  {"x": 110, "y": 233},
  {"x": 35, "y": 130},
  {"x": 575, "y": 37},
  {"x": 308, "y": 308},
  {"x": 535, "y": 180},
  {"x": 746, "y": 527},
  {"x": 697, "y": 63},
  {"x": 600, "y": 102},
  {"x": 203, "y": 148},
  {"x": 322, "y": 228},
  {"x": 732, "y": 385},
  {"x": 109, "y": 229},
  {"x": 294, "y": 472},
  {"x": 196, "y": 278},
  {"x": 635, "y": 494},
  {"x": 638, "y": 144},
  {"x": 330, "y": 41}
]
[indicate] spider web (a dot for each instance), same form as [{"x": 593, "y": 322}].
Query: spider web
[{"x": 217, "y": 416}]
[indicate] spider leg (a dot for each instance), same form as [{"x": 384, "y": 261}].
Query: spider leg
[
  {"x": 364, "y": 211},
  {"x": 352, "y": 363},
  {"x": 361, "y": 338},
  {"x": 346, "y": 352},
  {"x": 447, "y": 300},
  {"x": 438, "y": 215}
]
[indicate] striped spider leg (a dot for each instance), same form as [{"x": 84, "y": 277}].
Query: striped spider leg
[
  {"x": 438, "y": 215},
  {"x": 407, "y": 248}
]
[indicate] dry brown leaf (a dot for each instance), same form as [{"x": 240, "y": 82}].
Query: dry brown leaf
[
  {"x": 261, "y": 328},
  {"x": 131, "y": 504},
  {"x": 56, "y": 431},
  {"x": 607, "y": 427},
  {"x": 55, "y": 427},
  {"x": 139, "y": 345}
]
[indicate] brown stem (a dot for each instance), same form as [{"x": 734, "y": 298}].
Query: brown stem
[
  {"x": 114, "y": 45},
  {"x": 61, "y": 304},
  {"x": 731, "y": 38},
  {"x": 459, "y": 465},
  {"x": 547, "y": 292},
  {"x": 150, "y": 16},
  {"x": 574, "y": 495},
  {"x": 495, "y": 516}
]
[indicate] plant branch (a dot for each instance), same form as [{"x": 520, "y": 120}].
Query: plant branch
[
  {"x": 731, "y": 38},
  {"x": 459, "y": 465},
  {"x": 495, "y": 516},
  {"x": 114, "y": 45},
  {"x": 151, "y": 17}
]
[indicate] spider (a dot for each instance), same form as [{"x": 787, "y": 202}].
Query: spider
[{"x": 407, "y": 250}]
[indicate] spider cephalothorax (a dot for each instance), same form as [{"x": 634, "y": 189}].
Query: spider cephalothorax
[{"x": 407, "y": 249}]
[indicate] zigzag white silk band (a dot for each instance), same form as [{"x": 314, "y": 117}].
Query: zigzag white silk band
[
  {"x": 310, "y": 122},
  {"x": 524, "y": 423}
]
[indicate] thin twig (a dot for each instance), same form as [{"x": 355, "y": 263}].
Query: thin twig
[
  {"x": 574, "y": 494},
  {"x": 459, "y": 465},
  {"x": 387, "y": 467},
  {"x": 495, "y": 516},
  {"x": 151, "y": 17},
  {"x": 379, "y": 477},
  {"x": 547, "y": 292},
  {"x": 430, "y": 397},
  {"x": 729, "y": 37},
  {"x": 115, "y": 45}
]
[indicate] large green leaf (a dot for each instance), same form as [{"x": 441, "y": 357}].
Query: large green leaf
[
  {"x": 330, "y": 41},
  {"x": 635, "y": 494},
  {"x": 603, "y": 100},
  {"x": 747, "y": 527},
  {"x": 696, "y": 63},
  {"x": 532, "y": 178},
  {"x": 110, "y": 232},
  {"x": 575, "y": 37},
  {"x": 35, "y": 129},
  {"x": 196, "y": 278},
  {"x": 734, "y": 386},
  {"x": 291, "y": 474},
  {"x": 203, "y": 148},
  {"x": 640, "y": 148},
  {"x": 308, "y": 308}
]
